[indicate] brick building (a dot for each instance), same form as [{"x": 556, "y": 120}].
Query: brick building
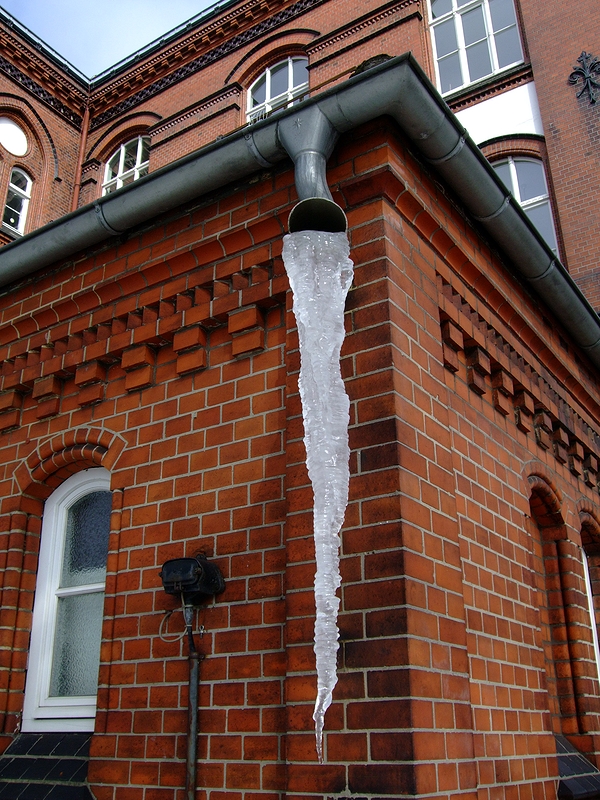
[{"x": 149, "y": 406}]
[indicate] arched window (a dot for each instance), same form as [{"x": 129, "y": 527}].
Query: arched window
[
  {"x": 526, "y": 180},
  {"x": 129, "y": 163},
  {"x": 17, "y": 200},
  {"x": 62, "y": 677},
  {"x": 278, "y": 87},
  {"x": 587, "y": 571},
  {"x": 473, "y": 39}
]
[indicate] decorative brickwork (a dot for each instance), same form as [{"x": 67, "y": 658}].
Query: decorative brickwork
[{"x": 168, "y": 355}]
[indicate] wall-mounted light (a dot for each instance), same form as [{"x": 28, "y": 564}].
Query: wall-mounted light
[{"x": 194, "y": 579}]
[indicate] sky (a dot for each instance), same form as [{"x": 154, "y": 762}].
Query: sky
[{"x": 94, "y": 34}]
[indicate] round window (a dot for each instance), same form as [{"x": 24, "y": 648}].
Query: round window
[{"x": 12, "y": 137}]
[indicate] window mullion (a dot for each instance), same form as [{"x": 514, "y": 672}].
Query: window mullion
[
  {"x": 514, "y": 179},
  {"x": 592, "y": 610},
  {"x": 268, "y": 90},
  {"x": 462, "y": 48},
  {"x": 88, "y": 588},
  {"x": 487, "y": 16},
  {"x": 121, "y": 166}
]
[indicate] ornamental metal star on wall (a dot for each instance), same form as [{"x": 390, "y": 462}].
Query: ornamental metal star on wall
[{"x": 590, "y": 67}]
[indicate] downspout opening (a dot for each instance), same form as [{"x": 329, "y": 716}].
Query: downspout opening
[{"x": 317, "y": 214}]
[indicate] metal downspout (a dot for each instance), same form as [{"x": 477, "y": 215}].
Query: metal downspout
[
  {"x": 194, "y": 658},
  {"x": 307, "y": 133}
]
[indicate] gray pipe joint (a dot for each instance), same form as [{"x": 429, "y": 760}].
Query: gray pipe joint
[{"x": 309, "y": 138}]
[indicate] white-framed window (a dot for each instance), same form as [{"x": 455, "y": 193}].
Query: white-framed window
[
  {"x": 129, "y": 163},
  {"x": 279, "y": 86},
  {"x": 473, "y": 39},
  {"x": 64, "y": 654},
  {"x": 17, "y": 200},
  {"x": 590, "y": 599},
  {"x": 525, "y": 178}
]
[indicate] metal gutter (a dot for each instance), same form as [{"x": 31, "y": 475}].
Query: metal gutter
[{"x": 308, "y": 132}]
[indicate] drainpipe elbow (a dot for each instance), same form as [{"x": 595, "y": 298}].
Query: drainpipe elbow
[{"x": 309, "y": 138}]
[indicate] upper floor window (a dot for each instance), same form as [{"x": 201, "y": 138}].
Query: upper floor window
[
  {"x": 587, "y": 570},
  {"x": 62, "y": 676},
  {"x": 279, "y": 86},
  {"x": 17, "y": 200},
  {"x": 13, "y": 137},
  {"x": 526, "y": 180},
  {"x": 129, "y": 163},
  {"x": 473, "y": 39}
]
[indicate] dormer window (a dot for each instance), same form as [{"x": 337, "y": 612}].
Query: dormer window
[
  {"x": 279, "y": 86},
  {"x": 17, "y": 200},
  {"x": 129, "y": 163}
]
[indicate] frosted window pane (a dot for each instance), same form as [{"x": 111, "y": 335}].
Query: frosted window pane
[
  {"x": 440, "y": 7},
  {"x": 86, "y": 543},
  {"x": 532, "y": 182},
  {"x": 445, "y": 38},
  {"x": 77, "y": 645},
  {"x": 502, "y": 13},
  {"x": 450, "y": 73},
  {"x": 508, "y": 47}
]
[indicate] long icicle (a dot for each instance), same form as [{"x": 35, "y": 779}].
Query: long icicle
[{"x": 320, "y": 273}]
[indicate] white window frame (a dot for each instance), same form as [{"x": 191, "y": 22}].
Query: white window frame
[
  {"x": 115, "y": 181},
  {"x": 41, "y": 712},
  {"x": 590, "y": 599},
  {"x": 454, "y": 14},
  {"x": 293, "y": 93},
  {"x": 532, "y": 202},
  {"x": 24, "y": 194}
]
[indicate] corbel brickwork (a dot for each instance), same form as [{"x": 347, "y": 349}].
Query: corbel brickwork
[
  {"x": 494, "y": 370},
  {"x": 133, "y": 339}
]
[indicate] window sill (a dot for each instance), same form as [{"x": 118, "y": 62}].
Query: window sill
[
  {"x": 493, "y": 84},
  {"x": 8, "y": 235}
]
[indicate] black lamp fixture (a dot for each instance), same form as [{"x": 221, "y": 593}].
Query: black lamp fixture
[{"x": 194, "y": 579}]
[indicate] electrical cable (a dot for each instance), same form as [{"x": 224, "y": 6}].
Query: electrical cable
[{"x": 174, "y": 637}]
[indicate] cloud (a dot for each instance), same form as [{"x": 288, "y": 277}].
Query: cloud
[{"x": 94, "y": 36}]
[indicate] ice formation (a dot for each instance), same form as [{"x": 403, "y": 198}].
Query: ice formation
[{"x": 320, "y": 273}]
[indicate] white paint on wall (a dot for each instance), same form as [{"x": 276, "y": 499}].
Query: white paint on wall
[{"x": 514, "y": 112}]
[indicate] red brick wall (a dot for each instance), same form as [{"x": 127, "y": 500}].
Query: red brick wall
[
  {"x": 171, "y": 359},
  {"x": 333, "y": 36},
  {"x": 51, "y": 158},
  {"x": 556, "y": 38}
]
